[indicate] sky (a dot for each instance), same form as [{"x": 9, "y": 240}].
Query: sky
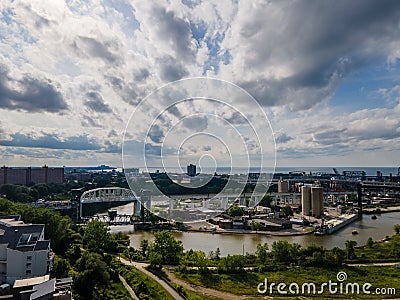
[{"x": 324, "y": 73}]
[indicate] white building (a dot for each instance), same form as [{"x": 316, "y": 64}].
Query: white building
[{"x": 24, "y": 253}]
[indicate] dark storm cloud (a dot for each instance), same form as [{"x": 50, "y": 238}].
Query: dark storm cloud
[
  {"x": 321, "y": 42},
  {"x": 171, "y": 70},
  {"x": 128, "y": 91},
  {"x": 115, "y": 82},
  {"x": 195, "y": 123},
  {"x": 2, "y": 130},
  {"x": 88, "y": 121},
  {"x": 298, "y": 152},
  {"x": 51, "y": 141},
  {"x": 174, "y": 110},
  {"x": 281, "y": 138},
  {"x": 136, "y": 148},
  {"x": 156, "y": 150},
  {"x": 175, "y": 31},
  {"x": 41, "y": 22},
  {"x": 156, "y": 134},
  {"x": 94, "y": 48},
  {"x": 112, "y": 147},
  {"x": 368, "y": 131},
  {"x": 141, "y": 75},
  {"x": 236, "y": 118},
  {"x": 112, "y": 133},
  {"x": 95, "y": 102},
  {"x": 29, "y": 94}
]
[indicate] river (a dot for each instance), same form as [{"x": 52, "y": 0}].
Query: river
[{"x": 239, "y": 243}]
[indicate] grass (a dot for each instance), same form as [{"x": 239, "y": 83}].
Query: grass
[
  {"x": 380, "y": 251},
  {"x": 185, "y": 293},
  {"x": 117, "y": 291},
  {"x": 246, "y": 284},
  {"x": 193, "y": 296},
  {"x": 143, "y": 286}
]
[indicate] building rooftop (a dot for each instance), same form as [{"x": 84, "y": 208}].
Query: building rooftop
[
  {"x": 20, "y": 236},
  {"x": 30, "y": 281},
  {"x": 43, "y": 289}
]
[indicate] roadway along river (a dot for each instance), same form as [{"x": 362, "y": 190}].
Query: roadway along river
[{"x": 234, "y": 244}]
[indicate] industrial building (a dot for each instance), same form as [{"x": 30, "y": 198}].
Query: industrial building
[
  {"x": 283, "y": 186},
  {"x": 312, "y": 200},
  {"x": 31, "y": 175}
]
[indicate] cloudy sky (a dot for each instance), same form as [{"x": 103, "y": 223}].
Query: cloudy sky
[{"x": 326, "y": 73}]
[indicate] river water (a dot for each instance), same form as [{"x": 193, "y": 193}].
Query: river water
[{"x": 239, "y": 243}]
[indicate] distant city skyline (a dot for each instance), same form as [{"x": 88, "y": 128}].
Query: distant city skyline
[{"x": 326, "y": 73}]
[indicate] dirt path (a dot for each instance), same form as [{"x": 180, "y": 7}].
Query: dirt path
[
  {"x": 128, "y": 288},
  {"x": 202, "y": 291},
  {"x": 374, "y": 264},
  {"x": 141, "y": 268}
]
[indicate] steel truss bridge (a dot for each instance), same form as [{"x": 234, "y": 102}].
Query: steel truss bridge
[
  {"x": 110, "y": 195},
  {"x": 112, "y": 220}
]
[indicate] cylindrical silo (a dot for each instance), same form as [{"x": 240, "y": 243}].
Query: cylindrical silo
[
  {"x": 306, "y": 200},
  {"x": 317, "y": 201}
]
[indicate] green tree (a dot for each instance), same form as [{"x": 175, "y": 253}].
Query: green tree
[
  {"x": 262, "y": 253},
  {"x": 73, "y": 253},
  {"x": 283, "y": 251},
  {"x": 235, "y": 211},
  {"x": 370, "y": 242},
  {"x": 61, "y": 267},
  {"x": 233, "y": 263},
  {"x": 317, "y": 259},
  {"x": 165, "y": 245},
  {"x": 144, "y": 247},
  {"x": 350, "y": 252},
  {"x": 96, "y": 237},
  {"x": 217, "y": 253},
  {"x": 9, "y": 191},
  {"x": 287, "y": 211},
  {"x": 396, "y": 249},
  {"x": 266, "y": 201},
  {"x": 156, "y": 260},
  {"x": 256, "y": 226},
  {"x": 339, "y": 255},
  {"x": 118, "y": 242},
  {"x": 92, "y": 273},
  {"x": 396, "y": 228},
  {"x": 199, "y": 260},
  {"x": 42, "y": 189}
]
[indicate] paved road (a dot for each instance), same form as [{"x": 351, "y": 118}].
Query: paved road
[
  {"x": 128, "y": 287},
  {"x": 141, "y": 267}
]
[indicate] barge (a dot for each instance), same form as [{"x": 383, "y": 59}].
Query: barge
[{"x": 331, "y": 226}]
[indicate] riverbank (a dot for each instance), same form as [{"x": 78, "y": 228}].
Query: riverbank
[
  {"x": 205, "y": 227},
  {"x": 381, "y": 210},
  {"x": 292, "y": 232}
]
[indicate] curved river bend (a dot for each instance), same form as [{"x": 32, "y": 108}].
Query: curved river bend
[{"x": 239, "y": 243}]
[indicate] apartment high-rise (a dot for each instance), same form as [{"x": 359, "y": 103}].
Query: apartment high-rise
[
  {"x": 24, "y": 253},
  {"x": 191, "y": 170},
  {"x": 31, "y": 175}
]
